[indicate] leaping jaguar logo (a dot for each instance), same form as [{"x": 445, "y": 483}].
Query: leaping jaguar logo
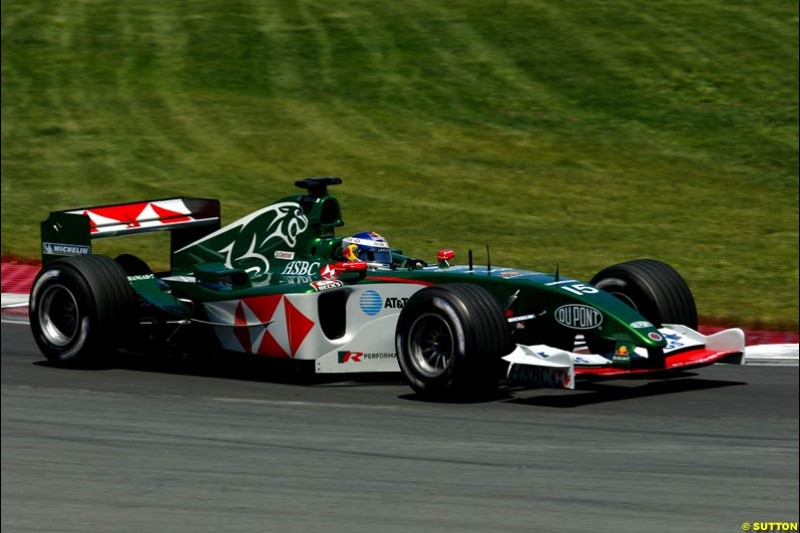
[
  {"x": 277, "y": 223},
  {"x": 289, "y": 222}
]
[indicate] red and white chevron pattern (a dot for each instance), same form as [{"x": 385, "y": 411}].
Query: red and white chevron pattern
[
  {"x": 136, "y": 215},
  {"x": 265, "y": 325}
]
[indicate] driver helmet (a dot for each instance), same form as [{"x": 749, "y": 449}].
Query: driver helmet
[{"x": 367, "y": 246}]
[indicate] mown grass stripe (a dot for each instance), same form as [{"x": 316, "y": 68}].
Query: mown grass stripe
[{"x": 589, "y": 132}]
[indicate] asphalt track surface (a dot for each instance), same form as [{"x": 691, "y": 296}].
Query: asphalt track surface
[{"x": 167, "y": 444}]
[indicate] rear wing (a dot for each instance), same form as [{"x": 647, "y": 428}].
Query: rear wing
[{"x": 71, "y": 232}]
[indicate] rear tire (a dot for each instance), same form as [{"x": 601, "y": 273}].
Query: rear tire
[
  {"x": 132, "y": 265},
  {"x": 81, "y": 308},
  {"x": 450, "y": 340},
  {"x": 653, "y": 288}
]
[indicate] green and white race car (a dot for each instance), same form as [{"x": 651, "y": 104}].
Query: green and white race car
[{"x": 280, "y": 283}]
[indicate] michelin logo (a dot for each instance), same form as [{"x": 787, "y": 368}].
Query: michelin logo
[{"x": 54, "y": 248}]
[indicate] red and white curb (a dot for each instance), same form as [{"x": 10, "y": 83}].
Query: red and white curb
[
  {"x": 17, "y": 278},
  {"x": 15, "y": 310}
]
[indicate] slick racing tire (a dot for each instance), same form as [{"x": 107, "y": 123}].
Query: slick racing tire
[
  {"x": 653, "y": 288},
  {"x": 132, "y": 265},
  {"x": 450, "y": 340},
  {"x": 81, "y": 308}
]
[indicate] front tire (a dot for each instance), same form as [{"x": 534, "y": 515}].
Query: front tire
[
  {"x": 653, "y": 288},
  {"x": 81, "y": 308},
  {"x": 450, "y": 340}
]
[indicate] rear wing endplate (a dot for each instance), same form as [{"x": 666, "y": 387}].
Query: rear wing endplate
[{"x": 71, "y": 232}]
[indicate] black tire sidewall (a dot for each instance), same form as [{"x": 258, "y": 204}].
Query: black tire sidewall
[
  {"x": 481, "y": 338},
  {"x": 429, "y": 302},
  {"x": 106, "y": 307},
  {"x": 80, "y": 348},
  {"x": 657, "y": 290}
]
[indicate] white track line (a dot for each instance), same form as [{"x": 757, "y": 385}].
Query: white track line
[{"x": 9, "y": 300}]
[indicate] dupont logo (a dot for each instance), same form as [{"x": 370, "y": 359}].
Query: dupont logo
[
  {"x": 350, "y": 357},
  {"x": 54, "y": 248},
  {"x": 576, "y": 316}
]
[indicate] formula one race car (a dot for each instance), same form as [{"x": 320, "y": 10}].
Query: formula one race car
[{"x": 279, "y": 283}]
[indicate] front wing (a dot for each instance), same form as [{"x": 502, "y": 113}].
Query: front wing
[{"x": 545, "y": 366}]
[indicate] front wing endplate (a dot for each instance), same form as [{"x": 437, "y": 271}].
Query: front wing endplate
[{"x": 544, "y": 366}]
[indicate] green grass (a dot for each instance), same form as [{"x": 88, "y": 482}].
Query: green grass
[{"x": 574, "y": 131}]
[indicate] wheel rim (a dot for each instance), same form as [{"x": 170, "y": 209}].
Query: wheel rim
[
  {"x": 431, "y": 345},
  {"x": 625, "y": 298},
  {"x": 58, "y": 315}
]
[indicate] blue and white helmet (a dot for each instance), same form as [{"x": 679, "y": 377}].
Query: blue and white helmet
[{"x": 367, "y": 246}]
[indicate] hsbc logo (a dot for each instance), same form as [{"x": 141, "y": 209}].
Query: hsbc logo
[{"x": 300, "y": 268}]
